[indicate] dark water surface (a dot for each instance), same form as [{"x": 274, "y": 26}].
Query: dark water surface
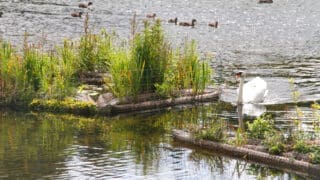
[
  {"x": 275, "y": 41},
  {"x": 34, "y": 146}
]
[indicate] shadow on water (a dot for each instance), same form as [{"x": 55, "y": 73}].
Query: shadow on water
[{"x": 139, "y": 146}]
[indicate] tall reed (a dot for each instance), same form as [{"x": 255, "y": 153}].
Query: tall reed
[
  {"x": 10, "y": 73},
  {"x": 63, "y": 79},
  {"x": 121, "y": 84},
  {"x": 94, "y": 50},
  {"x": 35, "y": 73},
  {"x": 151, "y": 52},
  {"x": 152, "y": 66},
  {"x": 185, "y": 71},
  {"x": 191, "y": 72}
]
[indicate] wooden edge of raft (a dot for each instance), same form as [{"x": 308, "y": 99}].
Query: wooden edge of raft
[
  {"x": 153, "y": 104},
  {"x": 250, "y": 155}
]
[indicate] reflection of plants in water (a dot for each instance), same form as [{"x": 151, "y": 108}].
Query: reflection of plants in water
[
  {"x": 300, "y": 133},
  {"x": 295, "y": 96},
  {"x": 316, "y": 120},
  {"x": 214, "y": 161},
  {"x": 139, "y": 134},
  {"x": 239, "y": 168},
  {"x": 201, "y": 116},
  {"x": 143, "y": 134},
  {"x": 217, "y": 162},
  {"x": 29, "y": 141},
  {"x": 294, "y": 92},
  {"x": 203, "y": 120},
  {"x": 45, "y": 137},
  {"x": 263, "y": 172}
]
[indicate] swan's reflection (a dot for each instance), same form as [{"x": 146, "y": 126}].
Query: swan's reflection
[{"x": 251, "y": 110}]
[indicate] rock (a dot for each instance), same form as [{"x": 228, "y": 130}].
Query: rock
[
  {"x": 94, "y": 95},
  {"x": 99, "y": 89},
  {"x": 106, "y": 99},
  {"x": 83, "y": 97}
]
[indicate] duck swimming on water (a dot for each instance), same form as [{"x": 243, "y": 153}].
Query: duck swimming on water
[
  {"x": 265, "y": 1},
  {"x": 175, "y": 21},
  {"x": 213, "y": 24},
  {"x": 188, "y": 23},
  {"x": 84, "y": 4},
  {"x": 152, "y": 15},
  {"x": 76, "y": 14}
]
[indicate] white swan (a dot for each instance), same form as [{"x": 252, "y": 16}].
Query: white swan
[{"x": 253, "y": 91}]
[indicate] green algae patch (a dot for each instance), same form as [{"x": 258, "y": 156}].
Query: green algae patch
[{"x": 64, "y": 106}]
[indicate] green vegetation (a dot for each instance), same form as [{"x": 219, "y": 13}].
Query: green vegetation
[
  {"x": 215, "y": 132},
  {"x": 64, "y": 106},
  {"x": 151, "y": 54},
  {"x": 263, "y": 129},
  {"x": 11, "y": 78},
  {"x": 275, "y": 142},
  {"x": 315, "y": 156},
  {"x": 146, "y": 64},
  {"x": 185, "y": 72},
  {"x": 152, "y": 65},
  {"x": 260, "y": 127},
  {"x": 35, "y": 73},
  {"x": 240, "y": 139},
  {"x": 301, "y": 147},
  {"x": 94, "y": 50}
]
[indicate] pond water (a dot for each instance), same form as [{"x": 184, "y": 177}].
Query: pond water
[
  {"x": 275, "y": 41},
  {"x": 140, "y": 146}
]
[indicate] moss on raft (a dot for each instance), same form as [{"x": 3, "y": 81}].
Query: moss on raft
[{"x": 64, "y": 106}]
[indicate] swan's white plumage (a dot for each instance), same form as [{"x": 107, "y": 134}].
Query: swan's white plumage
[{"x": 254, "y": 91}]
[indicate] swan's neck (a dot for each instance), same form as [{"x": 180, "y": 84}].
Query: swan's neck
[{"x": 240, "y": 94}]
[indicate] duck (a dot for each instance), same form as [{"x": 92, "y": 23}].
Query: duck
[
  {"x": 213, "y": 24},
  {"x": 265, "y": 1},
  {"x": 84, "y": 4},
  {"x": 76, "y": 14},
  {"x": 175, "y": 21},
  {"x": 253, "y": 91},
  {"x": 188, "y": 23},
  {"x": 152, "y": 15}
]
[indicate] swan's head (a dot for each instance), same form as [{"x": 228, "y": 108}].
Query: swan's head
[{"x": 240, "y": 75}]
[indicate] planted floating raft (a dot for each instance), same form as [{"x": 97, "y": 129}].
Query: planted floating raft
[
  {"x": 106, "y": 104},
  {"x": 281, "y": 162}
]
